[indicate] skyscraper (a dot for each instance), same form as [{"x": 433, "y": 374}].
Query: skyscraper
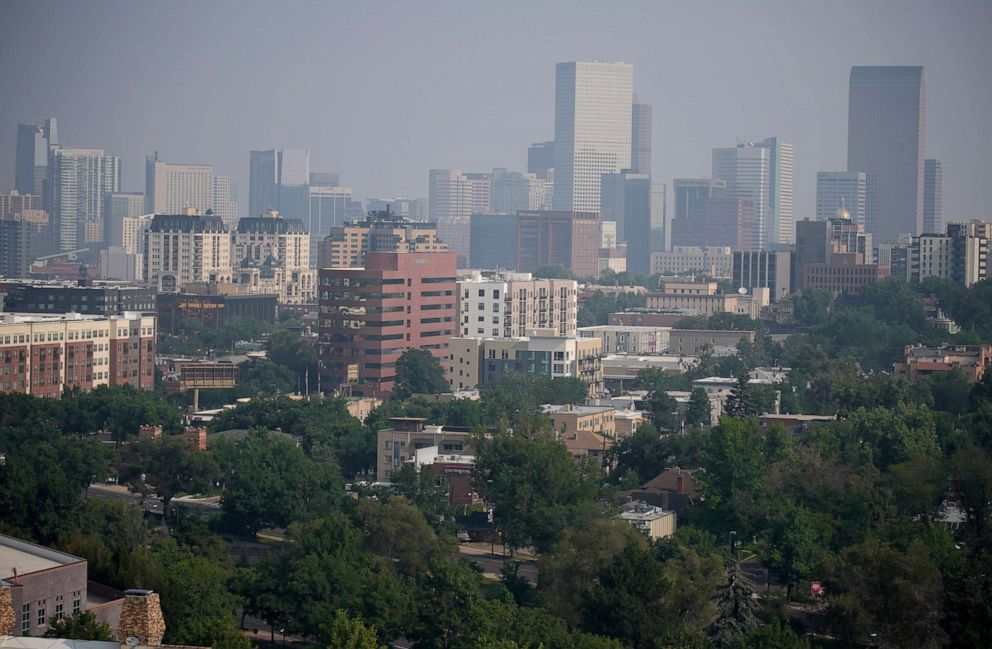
[
  {"x": 175, "y": 188},
  {"x": 836, "y": 189},
  {"x": 691, "y": 194},
  {"x": 640, "y": 138},
  {"x": 273, "y": 171},
  {"x": 541, "y": 160},
  {"x": 637, "y": 205},
  {"x": 117, "y": 207},
  {"x": 328, "y": 208},
  {"x": 80, "y": 180},
  {"x": 33, "y": 144},
  {"x": 761, "y": 172},
  {"x": 450, "y": 204},
  {"x": 512, "y": 191},
  {"x": 885, "y": 123},
  {"x": 933, "y": 181},
  {"x": 593, "y": 113}
]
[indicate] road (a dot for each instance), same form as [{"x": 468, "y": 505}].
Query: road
[
  {"x": 205, "y": 507},
  {"x": 481, "y": 555}
]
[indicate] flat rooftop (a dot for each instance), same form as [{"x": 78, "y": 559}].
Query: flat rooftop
[
  {"x": 575, "y": 410},
  {"x": 27, "y": 557}
]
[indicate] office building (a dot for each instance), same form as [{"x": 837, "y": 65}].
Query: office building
[
  {"x": 369, "y": 316},
  {"x": 211, "y": 309},
  {"x": 117, "y": 207},
  {"x": 837, "y": 253},
  {"x": 406, "y": 436},
  {"x": 31, "y": 172},
  {"x": 481, "y": 184},
  {"x": 25, "y": 233},
  {"x": 512, "y": 191},
  {"x": 711, "y": 261},
  {"x": 346, "y": 246},
  {"x": 933, "y": 183},
  {"x": 414, "y": 209},
  {"x": 566, "y": 239},
  {"x": 276, "y": 181},
  {"x": 181, "y": 249},
  {"x": 271, "y": 254},
  {"x": 640, "y": 138},
  {"x": 98, "y": 298},
  {"x": 329, "y": 208},
  {"x": 716, "y": 222},
  {"x": 506, "y": 304},
  {"x": 885, "y": 127},
  {"x": 175, "y": 188},
  {"x": 764, "y": 269},
  {"x": 842, "y": 189},
  {"x": 637, "y": 206},
  {"x": 541, "y": 160},
  {"x": 691, "y": 195},
  {"x": 80, "y": 180},
  {"x": 761, "y": 172},
  {"x": 493, "y": 241},
  {"x": 702, "y": 299},
  {"x": 450, "y": 203},
  {"x": 474, "y": 362},
  {"x": 44, "y": 354},
  {"x": 593, "y": 114}
]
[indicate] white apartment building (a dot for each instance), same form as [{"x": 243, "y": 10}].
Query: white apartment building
[
  {"x": 629, "y": 339},
  {"x": 271, "y": 254},
  {"x": 473, "y": 362},
  {"x": 593, "y": 112},
  {"x": 185, "y": 248},
  {"x": 41, "y": 354},
  {"x": 507, "y": 304},
  {"x": 713, "y": 261},
  {"x": 81, "y": 179}
]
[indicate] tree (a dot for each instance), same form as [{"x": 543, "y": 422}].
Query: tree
[
  {"x": 777, "y": 635},
  {"x": 81, "y": 625},
  {"x": 448, "y": 595},
  {"x": 397, "y": 531},
  {"x": 644, "y": 453},
  {"x": 169, "y": 466},
  {"x": 735, "y": 608},
  {"x": 741, "y": 402},
  {"x": 418, "y": 372},
  {"x": 698, "y": 412},
  {"x": 296, "y": 353},
  {"x": 351, "y": 633}
]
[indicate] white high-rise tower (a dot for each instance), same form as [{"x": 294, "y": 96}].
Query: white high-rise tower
[{"x": 593, "y": 109}]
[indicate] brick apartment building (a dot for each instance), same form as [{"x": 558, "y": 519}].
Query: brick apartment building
[
  {"x": 369, "y": 316},
  {"x": 43, "y": 354}
]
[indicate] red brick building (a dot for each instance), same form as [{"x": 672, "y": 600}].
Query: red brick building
[
  {"x": 369, "y": 316},
  {"x": 567, "y": 239},
  {"x": 43, "y": 354}
]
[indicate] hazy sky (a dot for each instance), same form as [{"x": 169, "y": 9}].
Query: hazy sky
[{"x": 382, "y": 92}]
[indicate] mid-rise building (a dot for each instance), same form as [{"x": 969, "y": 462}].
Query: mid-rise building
[
  {"x": 345, "y": 246},
  {"x": 593, "y": 127},
  {"x": 933, "y": 201},
  {"x": 567, "y": 239},
  {"x": 712, "y": 261},
  {"x": 716, "y": 222},
  {"x": 764, "y": 269},
  {"x": 629, "y": 339},
  {"x": 473, "y": 362},
  {"x": 271, "y": 254},
  {"x": 493, "y": 241},
  {"x": 97, "y": 298},
  {"x": 842, "y": 189},
  {"x": 637, "y": 206},
  {"x": 691, "y": 194},
  {"x": 505, "y": 304},
  {"x": 31, "y": 172},
  {"x": 885, "y": 127},
  {"x": 960, "y": 254},
  {"x": 80, "y": 181},
  {"x": 44, "y": 354},
  {"x": 25, "y": 233},
  {"x": 369, "y": 316},
  {"x": 451, "y": 202},
  {"x": 117, "y": 207},
  {"x": 181, "y": 249},
  {"x": 837, "y": 249},
  {"x": 406, "y": 435},
  {"x": 330, "y": 207}
]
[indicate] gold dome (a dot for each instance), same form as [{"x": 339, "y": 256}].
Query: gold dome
[{"x": 842, "y": 213}]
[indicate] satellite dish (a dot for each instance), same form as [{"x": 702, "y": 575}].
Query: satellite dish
[
  {"x": 742, "y": 291},
  {"x": 131, "y": 641}
]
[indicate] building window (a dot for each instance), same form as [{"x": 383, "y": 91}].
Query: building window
[
  {"x": 77, "y": 601},
  {"x": 25, "y": 619},
  {"x": 41, "y": 613},
  {"x": 59, "y": 608}
]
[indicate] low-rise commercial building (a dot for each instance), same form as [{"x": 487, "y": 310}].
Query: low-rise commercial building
[
  {"x": 569, "y": 418},
  {"x": 43, "y": 355},
  {"x": 702, "y": 298},
  {"x": 690, "y": 342},
  {"x": 212, "y": 311},
  {"x": 712, "y": 261},
  {"x": 618, "y": 339},
  {"x": 400, "y": 442},
  {"x": 653, "y": 521},
  {"x": 91, "y": 298}
]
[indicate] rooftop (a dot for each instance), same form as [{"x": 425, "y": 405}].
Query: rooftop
[
  {"x": 580, "y": 411},
  {"x": 25, "y": 557},
  {"x": 644, "y": 512}
]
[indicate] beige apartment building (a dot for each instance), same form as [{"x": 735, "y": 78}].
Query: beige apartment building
[
  {"x": 507, "y": 304},
  {"x": 345, "y": 246},
  {"x": 569, "y": 419},
  {"x": 399, "y": 443},
  {"x": 473, "y": 362},
  {"x": 714, "y": 261},
  {"x": 271, "y": 254},
  {"x": 184, "y": 248}
]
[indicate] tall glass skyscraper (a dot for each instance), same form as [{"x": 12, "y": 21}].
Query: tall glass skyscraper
[
  {"x": 933, "y": 184},
  {"x": 836, "y": 189},
  {"x": 81, "y": 180},
  {"x": 885, "y": 123},
  {"x": 31, "y": 163},
  {"x": 761, "y": 172},
  {"x": 277, "y": 180},
  {"x": 593, "y": 113},
  {"x": 640, "y": 139}
]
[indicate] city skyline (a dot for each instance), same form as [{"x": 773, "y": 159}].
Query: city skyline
[{"x": 136, "y": 106}]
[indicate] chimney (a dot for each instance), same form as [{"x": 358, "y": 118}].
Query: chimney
[{"x": 141, "y": 618}]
